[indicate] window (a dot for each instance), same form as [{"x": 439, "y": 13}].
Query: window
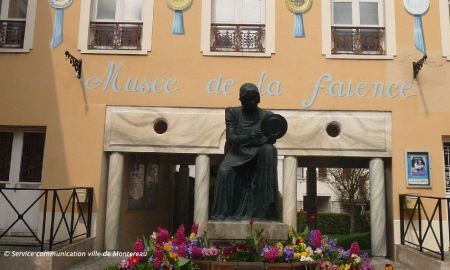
[
  {"x": 238, "y": 27},
  {"x": 444, "y": 6},
  {"x": 17, "y": 25},
  {"x": 358, "y": 29},
  {"x": 21, "y": 155},
  {"x": 447, "y": 166},
  {"x": 143, "y": 182},
  {"x": 115, "y": 26}
]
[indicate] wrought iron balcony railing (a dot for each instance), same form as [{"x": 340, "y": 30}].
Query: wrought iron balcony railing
[
  {"x": 358, "y": 40},
  {"x": 237, "y": 37},
  {"x": 115, "y": 36},
  {"x": 12, "y": 34}
]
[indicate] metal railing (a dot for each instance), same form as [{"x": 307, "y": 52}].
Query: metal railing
[
  {"x": 115, "y": 36},
  {"x": 12, "y": 34},
  {"x": 417, "y": 209},
  {"x": 357, "y": 40},
  {"x": 237, "y": 37},
  {"x": 69, "y": 213}
]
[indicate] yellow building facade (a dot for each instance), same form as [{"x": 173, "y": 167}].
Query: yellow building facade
[{"x": 147, "y": 93}]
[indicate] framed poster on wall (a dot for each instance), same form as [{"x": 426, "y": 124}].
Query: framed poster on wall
[{"x": 418, "y": 169}]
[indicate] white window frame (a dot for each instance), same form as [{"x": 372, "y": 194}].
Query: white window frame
[
  {"x": 444, "y": 6},
  {"x": 29, "y": 26},
  {"x": 16, "y": 156},
  {"x": 206, "y": 20},
  {"x": 85, "y": 19},
  {"x": 386, "y": 18}
]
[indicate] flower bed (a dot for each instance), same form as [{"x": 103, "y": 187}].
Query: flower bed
[{"x": 309, "y": 250}]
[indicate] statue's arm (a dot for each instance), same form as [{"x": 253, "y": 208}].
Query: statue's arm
[{"x": 231, "y": 122}]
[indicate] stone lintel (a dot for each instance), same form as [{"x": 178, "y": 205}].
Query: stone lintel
[{"x": 233, "y": 230}]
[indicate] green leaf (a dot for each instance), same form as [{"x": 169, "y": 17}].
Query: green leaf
[{"x": 182, "y": 261}]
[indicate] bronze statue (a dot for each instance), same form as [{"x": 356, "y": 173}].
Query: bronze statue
[{"x": 246, "y": 183}]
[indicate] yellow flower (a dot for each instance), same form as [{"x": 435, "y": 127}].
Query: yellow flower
[
  {"x": 193, "y": 236},
  {"x": 347, "y": 267},
  {"x": 168, "y": 247},
  {"x": 280, "y": 249},
  {"x": 297, "y": 255},
  {"x": 174, "y": 256}
]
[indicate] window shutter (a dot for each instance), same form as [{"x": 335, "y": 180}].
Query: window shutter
[
  {"x": 251, "y": 12},
  {"x": 223, "y": 11}
]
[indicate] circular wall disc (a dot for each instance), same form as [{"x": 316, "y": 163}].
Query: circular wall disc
[
  {"x": 60, "y": 3},
  {"x": 416, "y": 7},
  {"x": 299, "y": 6},
  {"x": 179, "y": 4}
]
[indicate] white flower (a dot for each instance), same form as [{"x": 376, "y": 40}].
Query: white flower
[
  {"x": 318, "y": 251},
  {"x": 303, "y": 258},
  {"x": 153, "y": 236},
  {"x": 309, "y": 259},
  {"x": 309, "y": 250}
]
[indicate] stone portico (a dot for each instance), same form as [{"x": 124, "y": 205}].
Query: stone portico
[{"x": 201, "y": 132}]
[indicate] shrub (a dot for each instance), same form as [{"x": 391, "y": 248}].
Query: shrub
[
  {"x": 363, "y": 240},
  {"x": 328, "y": 223}
]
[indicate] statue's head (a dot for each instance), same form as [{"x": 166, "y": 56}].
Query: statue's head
[{"x": 249, "y": 96}]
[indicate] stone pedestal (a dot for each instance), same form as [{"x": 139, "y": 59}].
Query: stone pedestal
[{"x": 233, "y": 230}]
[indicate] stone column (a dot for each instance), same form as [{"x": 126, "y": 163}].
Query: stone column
[
  {"x": 201, "y": 193},
  {"x": 377, "y": 207},
  {"x": 114, "y": 199},
  {"x": 280, "y": 168},
  {"x": 290, "y": 191}
]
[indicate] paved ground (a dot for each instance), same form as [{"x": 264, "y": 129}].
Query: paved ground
[
  {"x": 100, "y": 263},
  {"x": 380, "y": 263},
  {"x": 96, "y": 263}
]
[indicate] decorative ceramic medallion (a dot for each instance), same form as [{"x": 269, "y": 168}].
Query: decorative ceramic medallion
[
  {"x": 60, "y": 3},
  {"x": 416, "y": 7},
  {"x": 179, "y": 4},
  {"x": 299, "y": 6}
]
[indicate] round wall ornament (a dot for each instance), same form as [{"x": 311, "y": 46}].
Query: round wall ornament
[
  {"x": 177, "y": 5},
  {"x": 60, "y": 3},
  {"x": 298, "y": 6},
  {"x": 416, "y": 7}
]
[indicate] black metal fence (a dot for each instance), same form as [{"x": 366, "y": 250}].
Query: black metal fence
[
  {"x": 423, "y": 209},
  {"x": 69, "y": 214}
]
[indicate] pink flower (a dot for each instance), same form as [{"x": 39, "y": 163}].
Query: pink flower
[
  {"x": 180, "y": 236},
  {"x": 315, "y": 238},
  {"x": 162, "y": 235},
  {"x": 250, "y": 221},
  {"x": 194, "y": 228},
  {"x": 139, "y": 246},
  {"x": 181, "y": 250},
  {"x": 197, "y": 252},
  {"x": 211, "y": 252},
  {"x": 158, "y": 256},
  {"x": 354, "y": 248},
  {"x": 311, "y": 218}
]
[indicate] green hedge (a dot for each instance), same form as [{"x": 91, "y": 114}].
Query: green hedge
[
  {"x": 327, "y": 223},
  {"x": 363, "y": 240}
]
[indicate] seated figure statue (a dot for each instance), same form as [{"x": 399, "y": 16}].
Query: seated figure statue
[{"x": 246, "y": 183}]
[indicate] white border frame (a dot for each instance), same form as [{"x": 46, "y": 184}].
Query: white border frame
[
  {"x": 147, "y": 19},
  {"x": 29, "y": 30},
  {"x": 389, "y": 23},
  {"x": 205, "y": 36},
  {"x": 445, "y": 27},
  {"x": 408, "y": 185}
]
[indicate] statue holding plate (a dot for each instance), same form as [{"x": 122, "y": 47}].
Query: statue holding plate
[{"x": 246, "y": 183}]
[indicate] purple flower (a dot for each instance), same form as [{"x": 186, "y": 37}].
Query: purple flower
[
  {"x": 367, "y": 265},
  {"x": 288, "y": 253}
]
